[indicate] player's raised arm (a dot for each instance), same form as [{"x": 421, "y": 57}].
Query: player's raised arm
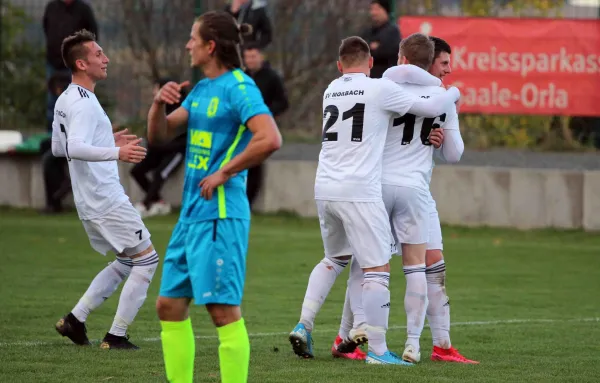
[
  {"x": 159, "y": 124},
  {"x": 394, "y": 98},
  {"x": 435, "y": 105},
  {"x": 411, "y": 74}
]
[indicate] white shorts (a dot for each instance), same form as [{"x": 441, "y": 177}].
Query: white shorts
[
  {"x": 408, "y": 211},
  {"x": 361, "y": 229},
  {"x": 435, "y": 228},
  {"x": 118, "y": 230}
]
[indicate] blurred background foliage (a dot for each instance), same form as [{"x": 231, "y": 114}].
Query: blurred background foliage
[{"x": 145, "y": 40}]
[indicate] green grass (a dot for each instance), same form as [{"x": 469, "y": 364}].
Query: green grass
[{"x": 547, "y": 280}]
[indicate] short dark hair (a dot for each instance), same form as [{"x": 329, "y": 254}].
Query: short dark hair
[
  {"x": 252, "y": 46},
  {"x": 418, "y": 50},
  {"x": 222, "y": 28},
  {"x": 440, "y": 46},
  {"x": 73, "y": 48},
  {"x": 353, "y": 50}
]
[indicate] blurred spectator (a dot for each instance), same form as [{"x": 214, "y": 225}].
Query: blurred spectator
[
  {"x": 56, "y": 179},
  {"x": 383, "y": 37},
  {"x": 271, "y": 86},
  {"x": 162, "y": 160},
  {"x": 253, "y": 12},
  {"x": 61, "y": 19}
]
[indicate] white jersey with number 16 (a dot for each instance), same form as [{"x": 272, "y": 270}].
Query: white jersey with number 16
[
  {"x": 408, "y": 154},
  {"x": 356, "y": 114}
]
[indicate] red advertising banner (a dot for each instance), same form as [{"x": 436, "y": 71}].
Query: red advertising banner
[{"x": 520, "y": 66}]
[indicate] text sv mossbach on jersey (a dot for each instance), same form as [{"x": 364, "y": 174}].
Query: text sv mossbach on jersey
[{"x": 345, "y": 93}]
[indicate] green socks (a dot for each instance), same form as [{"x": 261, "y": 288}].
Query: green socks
[
  {"x": 234, "y": 352},
  {"x": 179, "y": 349}
]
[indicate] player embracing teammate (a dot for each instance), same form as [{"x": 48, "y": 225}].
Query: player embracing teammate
[
  {"x": 357, "y": 112},
  {"x": 407, "y": 162}
]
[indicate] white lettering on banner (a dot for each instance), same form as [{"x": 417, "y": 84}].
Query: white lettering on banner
[
  {"x": 525, "y": 62},
  {"x": 530, "y": 96}
]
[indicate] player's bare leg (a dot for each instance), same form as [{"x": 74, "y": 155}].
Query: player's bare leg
[
  {"x": 320, "y": 282},
  {"x": 133, "y": 296},
  {"x": 415, "y": 299},
  {"x": 438, "y": 310},
  {"x": 353, "y": 324}
]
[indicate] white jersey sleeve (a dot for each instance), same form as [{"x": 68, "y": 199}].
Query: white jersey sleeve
[
  {"x": 394, "y": 98},
  {"x": 411, "y": 74},
  {"x": 436, "y": 105},
  {"x": 81, "y": 126},
  {"x": 453, "y": 145},
  {"x": 57, "y": 148},
  {"x": 424, "y": 107}
]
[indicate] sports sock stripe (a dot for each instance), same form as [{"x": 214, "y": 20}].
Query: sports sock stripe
[
  {"x": 339, "y": 262},
  {"x": 412, "y": 271},
  {"x": 147, "y": 260},
  {"x": 437, "y": 269},
  {"x": 126, "y": 263}
]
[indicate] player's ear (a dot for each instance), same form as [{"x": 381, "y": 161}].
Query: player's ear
[
  {"x": 340, "y": 67},
  {"x": 212, "y": 47},
  {"x": 80, "y": 64},
  {"x": 371, "y": 62}
]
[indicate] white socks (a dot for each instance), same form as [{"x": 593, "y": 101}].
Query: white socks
[
  {"x": 353, "y": 315},
  {"x": 102, "y": 287},
  {"x": 376, "y": 302},
  {"x": 134, "y": 292},
  {"x": 415, "y": 303},
  {"x": 320, "y": 282},
  {"x": 347, "y": 317},
  {"x": 438, "y": 310}
]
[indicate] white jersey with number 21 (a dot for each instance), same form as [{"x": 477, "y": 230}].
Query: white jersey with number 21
[{"x": 356, "y": 114}]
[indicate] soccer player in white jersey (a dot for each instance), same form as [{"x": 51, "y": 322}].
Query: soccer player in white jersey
[
  {"x": 438, "y": 309},
  {"x": 407, "y": 163},
  {"x": 82, "y": 133},
  {"x": 357, "y": 111}
]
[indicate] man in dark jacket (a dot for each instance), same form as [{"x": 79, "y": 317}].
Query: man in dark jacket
[
  {"x": 62, "y": 18},
  {"x": 162, "y": 160},
  {"x": 383, "y": 38},
  {"x": 272, "y": 89},
  {"x": 253, "y": 12}
]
